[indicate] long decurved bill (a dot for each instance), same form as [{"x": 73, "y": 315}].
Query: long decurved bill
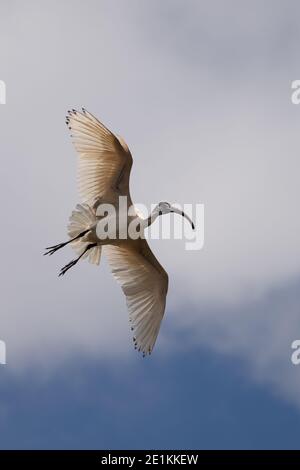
[{"x": 178, "y": 211}]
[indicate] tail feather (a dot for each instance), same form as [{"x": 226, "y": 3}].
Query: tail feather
[{"x": 81, "y": 219}]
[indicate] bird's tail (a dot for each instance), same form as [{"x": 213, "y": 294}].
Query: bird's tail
[{"x": 82, "y": 219}]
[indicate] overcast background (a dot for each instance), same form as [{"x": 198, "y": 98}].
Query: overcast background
[{"x": 201, "y": 92}]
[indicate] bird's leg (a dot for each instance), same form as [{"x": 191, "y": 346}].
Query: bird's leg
[
  {"x": 54, "y": 248},
  {"x": 74, "y": 261}
]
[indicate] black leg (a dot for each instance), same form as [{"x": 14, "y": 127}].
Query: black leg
[
  {"x": 54, "y": 248},
  {"x": 74, "y": 261}
]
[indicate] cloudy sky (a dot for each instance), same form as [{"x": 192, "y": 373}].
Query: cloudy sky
[{"x": 201, "y": 92}]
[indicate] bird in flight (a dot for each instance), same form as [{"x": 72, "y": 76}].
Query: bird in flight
[{"x": 104, "y": 169}]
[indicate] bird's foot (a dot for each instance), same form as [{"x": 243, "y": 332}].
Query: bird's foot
[
  {"x": 67, "y": 267},
  {"x": 54, "y": 248}
]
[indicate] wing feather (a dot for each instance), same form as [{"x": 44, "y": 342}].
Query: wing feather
[
  {"x": 104, "y": 159},
  {"x": 145, "y": 285}
]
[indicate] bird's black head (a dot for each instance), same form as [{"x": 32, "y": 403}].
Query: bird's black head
[{"x": 165, "y": 208}]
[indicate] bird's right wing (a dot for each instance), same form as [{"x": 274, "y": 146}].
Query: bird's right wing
[
  {"x": 145, "y": 285},
  {"x": 104, "y": 159}
]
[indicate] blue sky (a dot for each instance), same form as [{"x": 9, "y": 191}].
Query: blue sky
[
  {"x": 196, "y": 400},
  {"x": 201, "y": 92}
]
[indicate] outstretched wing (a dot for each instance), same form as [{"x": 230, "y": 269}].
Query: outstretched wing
[
  {"x": 145, "y": 285},
  {"x": 104, "y": 159}
]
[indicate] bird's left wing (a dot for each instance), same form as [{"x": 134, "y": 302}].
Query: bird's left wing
[
  {"x": 145, "y": 285},
  {"x": 104, "y": 159}
]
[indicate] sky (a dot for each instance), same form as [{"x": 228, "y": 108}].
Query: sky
[{"x": 201, "y": 92}]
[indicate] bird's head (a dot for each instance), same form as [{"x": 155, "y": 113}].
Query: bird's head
[{"x": 165, "y": 208}]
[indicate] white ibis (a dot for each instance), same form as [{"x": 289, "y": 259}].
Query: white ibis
[{"x": 105, "y": 163}]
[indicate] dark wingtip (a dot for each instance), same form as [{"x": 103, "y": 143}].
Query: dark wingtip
[{"x": 193, "y": 226}]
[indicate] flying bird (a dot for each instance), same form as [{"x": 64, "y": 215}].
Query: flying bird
[{"x": 104, "y": 169}]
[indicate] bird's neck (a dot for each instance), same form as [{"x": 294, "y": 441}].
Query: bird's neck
[{"x": 152, "y": 217}]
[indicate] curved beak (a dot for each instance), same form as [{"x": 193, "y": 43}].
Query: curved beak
[{"x": 178, "y": 211}]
